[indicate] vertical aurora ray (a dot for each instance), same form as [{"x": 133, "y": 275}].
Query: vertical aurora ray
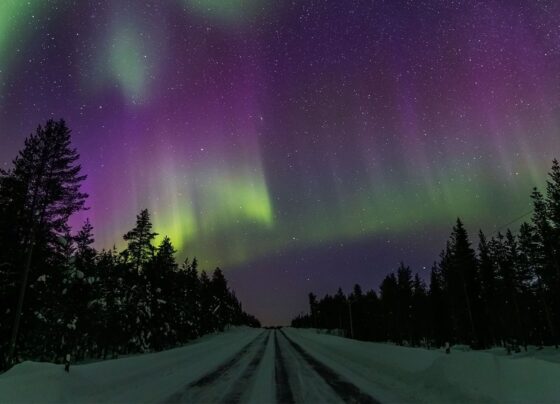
[
  {"x": 235, "y": 195},
  {"x": 127, "y": 63},
  {"x": 128, "y": 56},
  {"x": 173, "y": 211},
  {"x": 15, "y": 19}
]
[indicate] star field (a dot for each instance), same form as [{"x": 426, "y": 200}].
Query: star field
[{"x": 299, "y": 145}]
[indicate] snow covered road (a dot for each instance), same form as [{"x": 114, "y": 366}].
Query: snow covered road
[
  {"x": 245, "y": 365},
  {"x": 297, "y": 377}
]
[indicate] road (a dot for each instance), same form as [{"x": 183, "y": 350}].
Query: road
[
  {"x": 240, "y": 365},
  {"x": 271, "y": 368},
  {"x": 247, "y": 365}
]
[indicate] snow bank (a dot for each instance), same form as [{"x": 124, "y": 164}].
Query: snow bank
[
  {"x": 393, "y": 373},
  {"x": 143, "y": 378}
]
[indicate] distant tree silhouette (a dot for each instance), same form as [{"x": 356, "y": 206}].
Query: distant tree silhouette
[
  {"x": 507, "y": 293},
  {"x": 438, "y": 331},
  {"x": 490, "y": 313},
  {"x": 390, "y": 308},
  {"x": 419, "y": 314},
  {"x": 404, "y": 303},
  {"x": 140, "y": 249}
]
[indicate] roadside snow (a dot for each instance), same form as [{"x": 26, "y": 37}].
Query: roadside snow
[
  {"x": 392, "y": 373},
  {"x": 143, "y": 378}
]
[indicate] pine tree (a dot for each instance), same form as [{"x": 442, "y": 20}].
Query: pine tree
[
  {"x": 553, "y": 210},
  {"x": 86, "y": 287},
  {"x": 356, "y": 312},
  {"x": 389, "y": 300},
  {"x": 510, "y": 287},
  {"x": 537, "y": 314},
  {"x": 220, "y": 304},
  {"x": 207, "y": 323},
  {"x": 404, "y": 303},
  {"x": 545, "y": 266},
  {"x": 463, "y": 284},
  {"x": 42, "y": 192},
  {"x": 439, "y": 316},
  {"x": 553, "y": 196},
  {"x": 190, "y": 308},
  {"x": 160, "y": 274},
  {"x": 312, "y": 299},
  {"x": 341, "y": 316},
  {"x": 488, "y": 290},
  {"x": 140, "y": 249},
  {"x": 419, "y": 310}
]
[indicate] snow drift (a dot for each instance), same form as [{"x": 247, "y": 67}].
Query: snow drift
[{"x": 394, "y": 373}]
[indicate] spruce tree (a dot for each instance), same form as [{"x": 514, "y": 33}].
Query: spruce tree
[
  {"x": 389, "y": 295},
  {"x": 439, "y": 316},
  {"x": 160, "y": 274},
  {"x": 538, "y": 315},
  {"x": 207, "y": 305},
  {"x": 488, "y": 297},
  {"x": 404, "y": 303},
  {"x": 419, "y": 310},
  {"x": 219, "y": 306},
  {"x": 553, "y": 210},
  {"x": 140, "y": 249},
  {"x": 545, "y": 265},
  {"x": 553, "y": 196},
  {"x": 463, "y": 284},
  {"x": 190, "y": 309},
  {"x": 87, "y": 287},
  {"x": 341, "y": 316}
]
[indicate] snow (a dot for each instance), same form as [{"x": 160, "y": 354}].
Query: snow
[
  {"x": 254, "y": 365},
  {"x": 261, "y": 390},
  {"x": 394, "y": 373},
  {"x": 143, "y": 378},
  {"x": 307, "y": 385}
]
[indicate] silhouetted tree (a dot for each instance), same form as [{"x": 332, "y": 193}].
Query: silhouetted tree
[
  {"x": 506, "y": 294},
  {"x": 140, "y": 249},
  {"x": 488, "y": 293},
  {"x": 37, "y": 197},
  {"x": 419, "y": 319},
  {"x": 439, "y": 317}
]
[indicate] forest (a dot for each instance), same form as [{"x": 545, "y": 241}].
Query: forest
[
  {"x": 59, "y": 295},
  {"x": 505, "y": 293}
]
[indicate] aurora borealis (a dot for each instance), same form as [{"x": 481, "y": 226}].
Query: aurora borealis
[{"x": 298, "y": 145}]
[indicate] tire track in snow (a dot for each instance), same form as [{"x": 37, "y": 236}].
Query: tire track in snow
[
  {"x": 242, "y": 382},
  {"x": 214, "y": 375},
  {"x": 283, "y": 390},
  {"x": 347, "y": 391}
]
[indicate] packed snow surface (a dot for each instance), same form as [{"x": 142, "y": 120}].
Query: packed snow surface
[
  {"x": 400, "y": 374},
  {"x": 289, "y": 365}
]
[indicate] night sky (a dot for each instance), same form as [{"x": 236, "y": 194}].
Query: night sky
[{"x": 299, "y": 145}]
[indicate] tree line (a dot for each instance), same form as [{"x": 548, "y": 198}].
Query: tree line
[
  {"x": 59, "y": 295},
  {"x": 506, "y": 293}
]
